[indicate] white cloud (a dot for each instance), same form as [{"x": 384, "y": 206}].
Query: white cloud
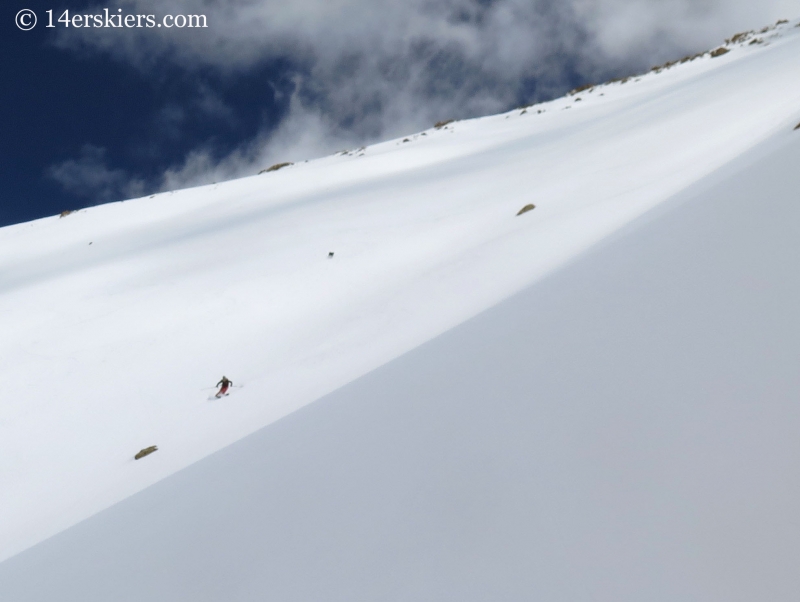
[
  {"x": 371, "y": 69},
  {"x": 625, "y": 28},
  {"x": 90, "y": 177}
]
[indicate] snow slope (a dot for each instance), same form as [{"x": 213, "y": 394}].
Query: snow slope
[
  {"x": 116, "y": 320},
  {"x": 623, "y": 430}
]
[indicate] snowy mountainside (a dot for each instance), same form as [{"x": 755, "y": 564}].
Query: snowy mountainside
[
  {"x": 624, "y": 429},
  {"x": 116, "y": 321}
]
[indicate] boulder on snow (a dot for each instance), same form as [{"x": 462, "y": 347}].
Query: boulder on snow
[
  {"x": 146, "y": 452},
  {"x": 526, "y": 208},
  {"x": 275, "y": 167},
  {"x": 797, "y": 127},
  {"x": 719, "y": 52},
  {"x": 440, "y": 124},
  {"x": 66, "y": 212}
]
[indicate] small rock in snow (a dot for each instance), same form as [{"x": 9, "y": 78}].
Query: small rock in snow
[{"x": 146, "y": 452}]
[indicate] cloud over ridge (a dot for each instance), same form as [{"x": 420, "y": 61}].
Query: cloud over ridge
[{"x": 365, "y": 70}]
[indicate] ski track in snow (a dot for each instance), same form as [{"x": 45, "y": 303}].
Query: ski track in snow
[{"x": 106, "y": 347}]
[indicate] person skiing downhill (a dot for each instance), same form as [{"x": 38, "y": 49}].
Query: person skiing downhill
[{"x": 223, "y": 385}]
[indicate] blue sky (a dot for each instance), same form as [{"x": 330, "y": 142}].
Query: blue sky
[
  {"x": 127, "y": 125},
  {"x": 97, "y": 115}
]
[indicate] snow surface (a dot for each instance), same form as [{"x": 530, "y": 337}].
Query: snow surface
[
  {"x": 593, "y": 437},
  {"x": 624, "y": 430}
]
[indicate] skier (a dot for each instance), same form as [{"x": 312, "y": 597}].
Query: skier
[{"x": 223, "y": 385}]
